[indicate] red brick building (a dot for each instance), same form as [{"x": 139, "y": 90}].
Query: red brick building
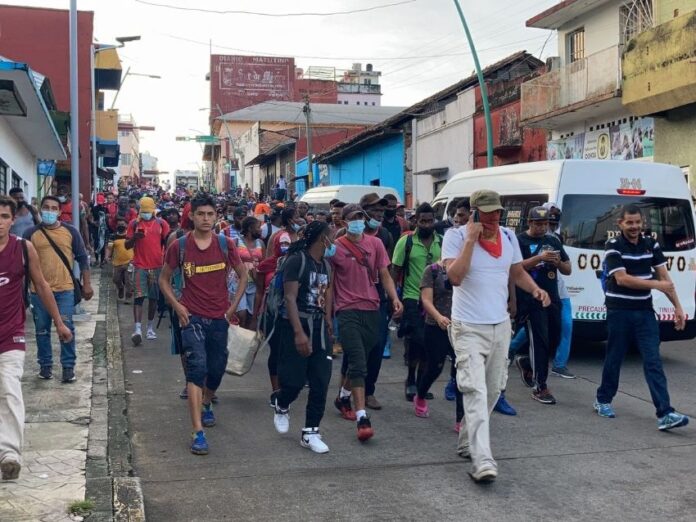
[{"x": 40, "y": 37}]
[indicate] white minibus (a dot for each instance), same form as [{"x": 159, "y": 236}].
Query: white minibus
[
  {"x": 590, "y": 194},
  {"x": 318, "y": 197}
]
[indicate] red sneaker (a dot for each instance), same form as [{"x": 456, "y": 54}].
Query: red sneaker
[
  {"x": 343, "y": 405},
  {"x": 365, "y": 431}
]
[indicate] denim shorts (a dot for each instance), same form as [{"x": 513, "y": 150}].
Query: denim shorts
[
  {"x": 146, "y": 283},
  {"x": 204, "y": 345}
]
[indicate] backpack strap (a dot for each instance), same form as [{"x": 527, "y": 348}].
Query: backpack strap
[
  {"x": 25, "y": 258},
  {"x": 182, "y": 248},
  {"x": 407, "y": 257}
]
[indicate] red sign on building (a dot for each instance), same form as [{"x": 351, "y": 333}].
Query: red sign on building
[{"x": 237, "y": 82}]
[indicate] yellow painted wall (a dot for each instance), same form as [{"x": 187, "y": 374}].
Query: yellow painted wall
[
  {"x": 658, "y": 67},
  {"x": 664, "y": 9},
  {"x": 674, "y": 141},
  {"x": 107, "y": 125}
]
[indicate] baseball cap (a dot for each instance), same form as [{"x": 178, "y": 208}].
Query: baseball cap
[
  {"x": 372, "y": 199},
  {"x": 351, "y": 212},
  {"x": 538, "y": 214},
  {"x": 486, "y": 201}
]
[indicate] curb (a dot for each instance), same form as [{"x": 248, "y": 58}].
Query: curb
[{"x": 111, "y": 483}]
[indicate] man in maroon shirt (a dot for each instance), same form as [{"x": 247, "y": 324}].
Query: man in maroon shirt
[
  {"x": 12, "y": 340},
  {"x": 204, "y": 310}
]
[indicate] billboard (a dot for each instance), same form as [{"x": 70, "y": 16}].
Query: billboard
[{"x": 237, "y": 82}]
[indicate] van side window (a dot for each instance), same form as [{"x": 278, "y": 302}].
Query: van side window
[
  {"x": 517, "y": 209},
  {"x": 439, "y": 208}
]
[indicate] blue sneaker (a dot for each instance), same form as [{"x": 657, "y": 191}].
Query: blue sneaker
[
  {"x": 199, "y": 445},
  {"x": 503, "y": 406},
  {"x": 604, "y": 410},
  {"x": 450, "y": 389},
  {"x": 387, "y": 352},
  {"x": 207, "y": 416},
  {"x": 672, "y": 420}
]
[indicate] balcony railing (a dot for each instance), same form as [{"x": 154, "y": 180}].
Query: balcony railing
[{"x": 594, "y": 78}]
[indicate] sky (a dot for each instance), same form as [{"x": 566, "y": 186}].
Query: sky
[{"x": 418, "y": 45}]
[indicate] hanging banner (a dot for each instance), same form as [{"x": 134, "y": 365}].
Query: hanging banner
[
  {"x": 569, "y": 148},
  {"x": 597, "y": 145},
  {"x": 633, "y": 140}
]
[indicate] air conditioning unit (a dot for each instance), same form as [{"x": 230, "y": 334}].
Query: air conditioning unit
[{"x": 553, "y": 63}]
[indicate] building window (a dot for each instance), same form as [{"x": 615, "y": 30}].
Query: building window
[
  {"x": 126, "y": 159},
  {"x": 576, "y": 45},
  {"x": 3, "y": 178},
  {"x": 634, "y": 18},
  {"x": 368, "y": 81},
  {"x": 357, "y": 103},
  {"x": 16, "y": 180},
  {"x": 373, "y": 103}
]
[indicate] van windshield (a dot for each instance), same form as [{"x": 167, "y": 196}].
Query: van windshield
[{"x": 589, "y": 220}]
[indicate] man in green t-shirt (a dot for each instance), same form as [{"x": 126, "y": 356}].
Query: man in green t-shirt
[{"x": 412, "y": 254}]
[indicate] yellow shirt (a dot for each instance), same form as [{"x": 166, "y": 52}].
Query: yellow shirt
[
  {"x": 52, "y": 267},
  {"x": 121, "y": 254}
]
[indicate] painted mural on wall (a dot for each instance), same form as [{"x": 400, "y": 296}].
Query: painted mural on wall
[{"x": 627, "y": 141}]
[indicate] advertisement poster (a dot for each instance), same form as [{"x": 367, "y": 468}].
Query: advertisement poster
[
  {"x": 569, "y": 148},
  {"x": 628, "y": 141},
  {"x": 633, "y": 140}
]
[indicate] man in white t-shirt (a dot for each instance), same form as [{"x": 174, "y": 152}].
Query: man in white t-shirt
[{"x": 481, "y": 259}]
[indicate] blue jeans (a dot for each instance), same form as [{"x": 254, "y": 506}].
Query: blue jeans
[
  {"x": 563, "y": 349},
  {"x": 204, "y": 345},
  {"x": 42, "y": 323},
  {"x": 626, "y": 328},
  {"x": 518, "y": 342}
]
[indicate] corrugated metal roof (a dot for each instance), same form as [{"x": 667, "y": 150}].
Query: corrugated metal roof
[{"x": 322, "y": 113}]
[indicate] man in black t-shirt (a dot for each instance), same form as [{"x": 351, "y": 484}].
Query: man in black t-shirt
[
  {"x": 304, "y": 333},
  {"x": 635, "y": 265},
  {"x": 544, "y": 256}
]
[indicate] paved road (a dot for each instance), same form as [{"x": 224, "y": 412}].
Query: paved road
[{"x": 555, "y": 461}]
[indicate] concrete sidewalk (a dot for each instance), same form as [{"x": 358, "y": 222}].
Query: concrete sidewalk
[{"x": 56, "y": 430}]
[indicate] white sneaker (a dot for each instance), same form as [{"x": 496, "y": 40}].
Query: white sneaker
[
  {"x": 281, "y": 419},
  {"x": 486, "y": 473},
  {"x": 311, "y": 438},
  {"x": 151, "y": 335},
  {"x": 137, "y": 337}
]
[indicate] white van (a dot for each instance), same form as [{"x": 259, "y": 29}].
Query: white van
[
  {"x": 590, "y": 194},
  {"x": 318, "y": 197}
]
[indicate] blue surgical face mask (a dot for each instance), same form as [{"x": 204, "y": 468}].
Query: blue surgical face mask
[
  {"x": 284, "y": 249},
  {"x": 230, "y": 217},
  {"x": 330, "y": 251},
  {"x": 147, "y": 216},
  {"x": 356, "y": 227},
  {"x": 296, "y": 227},
  {"x": 374, "y": 224},
  {"x": 49, "y": 217},
  {"x": 62, "y": 199}
]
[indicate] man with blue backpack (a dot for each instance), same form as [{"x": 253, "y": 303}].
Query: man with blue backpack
[{"x": 204, "y": 310}]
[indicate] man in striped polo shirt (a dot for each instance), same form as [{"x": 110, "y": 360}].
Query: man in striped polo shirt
[{"x": 635, "y": 265}]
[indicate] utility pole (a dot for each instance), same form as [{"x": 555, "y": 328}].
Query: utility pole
[
  {"x": 74, "y": 120},
  {"x": 308, "y": 116}
]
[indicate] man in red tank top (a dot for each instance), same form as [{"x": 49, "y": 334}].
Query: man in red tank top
[{"x": 12, "y": 340}]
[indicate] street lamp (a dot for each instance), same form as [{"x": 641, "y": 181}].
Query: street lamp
[
  {"x": 95, "y": 48},
  {"x": 230, "y": 156},
  {"x": 123, "y": 80}
]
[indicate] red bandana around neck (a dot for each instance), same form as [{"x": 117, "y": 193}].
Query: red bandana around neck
[{"x": 493, "y": 248}]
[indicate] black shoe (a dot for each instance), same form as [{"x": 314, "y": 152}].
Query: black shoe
[
  {"x": 543, "y": 396},
  {"x": 184, "y": 393},
  {"x": 526, "y": 373},
  {"x": 68, "y": 375},
  {"x": 46, "y": 372},
  {"x": 410, "y": 391},
  {"x": 429, "y": 396}
]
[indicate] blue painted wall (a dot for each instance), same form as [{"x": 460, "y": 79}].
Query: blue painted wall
[
  {"x": 300, "y": 169},
  {"x": 381, "y": 164}
]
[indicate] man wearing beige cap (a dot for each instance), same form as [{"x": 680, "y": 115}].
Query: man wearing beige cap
[
  {"x": 481, "y": 259},
  {"x": 146, "y": 235}
]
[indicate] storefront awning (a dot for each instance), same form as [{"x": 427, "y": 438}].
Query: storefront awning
[{"x": 24, "y": 110}]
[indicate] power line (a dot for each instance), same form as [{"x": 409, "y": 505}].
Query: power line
[{"x": 274, "y": 15}]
